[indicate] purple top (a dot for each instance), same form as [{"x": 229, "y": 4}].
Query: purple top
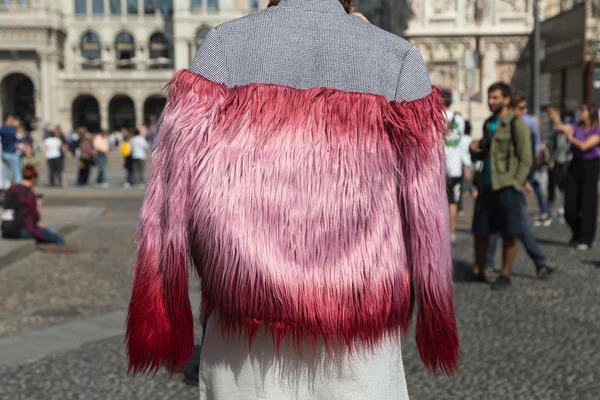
[{"x": 580, "y": 133}]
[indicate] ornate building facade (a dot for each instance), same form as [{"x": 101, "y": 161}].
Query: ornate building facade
[
  {"x": 469, "y": 44},
  {"x": 104, "y": 63},
  {"x": 100, "y": 63},
  {"x": 391, "y": 15}
]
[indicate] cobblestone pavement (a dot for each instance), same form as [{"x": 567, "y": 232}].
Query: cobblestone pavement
[
  {"x": 536, "y": 340},
  {"x": 43, "y": 289}
]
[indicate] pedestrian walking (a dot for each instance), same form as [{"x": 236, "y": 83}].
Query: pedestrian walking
[
  {"x": 543, "y": 270},
  {"x": 29, "y": 156},
  {"x": 467, "y": 179},
  {"x": 53, "y": 152},
  {"x": 456, "y": 146},
  {"x": 101, "y": 148},
  {"x": 10, "y": 150},
  {"x": 127, "y": 160},
  {"x": 86, "y": 158},
  {"x": 311, "y": 198},
  {"x": 558, "y": 167},
  {"x": 506, "y": 151},
  {"x": 139, "y": 150},
  {"x": 581, "y": 187},
  {"x": 539, "y": 161}
]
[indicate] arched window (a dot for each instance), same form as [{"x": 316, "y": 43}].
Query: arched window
[
  {"x": 124, "y": 50},
  {"x": 201, "y": 34},
  {"x": 121, "y": 113},
  {"x": 17, "y": 97},
  {"x": 91, "y": 50},
  {"x": 159, "y": 51},
  {"x": 85, "y": 111}
]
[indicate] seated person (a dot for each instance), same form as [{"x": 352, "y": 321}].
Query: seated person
[{"x": 22, "y": 211}]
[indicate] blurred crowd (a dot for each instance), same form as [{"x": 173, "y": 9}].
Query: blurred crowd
[
  {"x": 23, "y": 151},
  {"x": 512, "y": 160},
  {"x": 89, "y": 151}
]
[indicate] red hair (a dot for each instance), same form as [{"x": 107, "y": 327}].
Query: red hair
[{"x": 30, "y": 172}]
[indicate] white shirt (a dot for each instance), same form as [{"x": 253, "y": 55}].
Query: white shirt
[
  {"x": 139, "y": 147},
  {"x": 53, "y": 146},
  {"x": 454, "y": 144},
  {"x": 466, "y": 154},
  {"x": 229, "y": 370}
]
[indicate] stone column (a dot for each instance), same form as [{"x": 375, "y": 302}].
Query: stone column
[
  {"x": 488, "y": 66},
  {"x": 142, "y": 56},
  {"x": 182, "y": 55},
  {"x": 44, "y": 88},
  {"x": 138, "y": 104},
  {"x": 104, "y": 117},
  {"x": 459, "y": 56},
  {"x": 462, "y": 13},
  {"x": 426, "y": 12},
  {"x": 108, "y": 55},
  {"x": 228, "y": 5}
]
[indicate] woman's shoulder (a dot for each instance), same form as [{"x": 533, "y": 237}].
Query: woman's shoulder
[{"x": 19, "y": 188}]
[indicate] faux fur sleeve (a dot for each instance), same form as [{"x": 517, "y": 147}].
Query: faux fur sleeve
[
  {"x": 160, "y": 322},
  {"x": 419, "y": 122}
]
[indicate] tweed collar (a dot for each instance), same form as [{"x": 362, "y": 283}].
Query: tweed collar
[{"x": 328, "y": 6}]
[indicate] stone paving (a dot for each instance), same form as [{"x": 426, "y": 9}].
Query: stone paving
[{"x": 536, "y": 340}]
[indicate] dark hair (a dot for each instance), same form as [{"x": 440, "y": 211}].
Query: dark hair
[
  {"x": 553, "y": 106},
  {"x": 7, "y": 116},
  {"x": 134, "y": 131},
  {"x": 516, "y": 99},
  {"x": 348, "y": 4},
  {"x": 447, "y": 97},
  {"x": 593, "y": 110},
  {"x": 501, "y": 86},
  {"x": 30, "y": 172},
  {"x": 468, "y": 127}
]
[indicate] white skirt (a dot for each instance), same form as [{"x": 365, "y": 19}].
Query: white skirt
[{"x": 229, "y": 371}]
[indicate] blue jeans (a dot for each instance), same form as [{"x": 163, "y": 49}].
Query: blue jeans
[
  {"x": 537, "y": 189},
  {"x": 12, "y": 163},
  {"x": 526, "y": 237},
  {"x": 49, "y": 237},
  {"x": 101, "y": 163}
]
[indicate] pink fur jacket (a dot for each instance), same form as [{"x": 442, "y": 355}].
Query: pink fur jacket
[{"x": 316, "y": 212}]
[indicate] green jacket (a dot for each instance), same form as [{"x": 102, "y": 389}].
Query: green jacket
[{"x": 510, "y": 161}]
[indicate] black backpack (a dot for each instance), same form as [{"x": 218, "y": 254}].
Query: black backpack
[{"x": 13, "y": 216}]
